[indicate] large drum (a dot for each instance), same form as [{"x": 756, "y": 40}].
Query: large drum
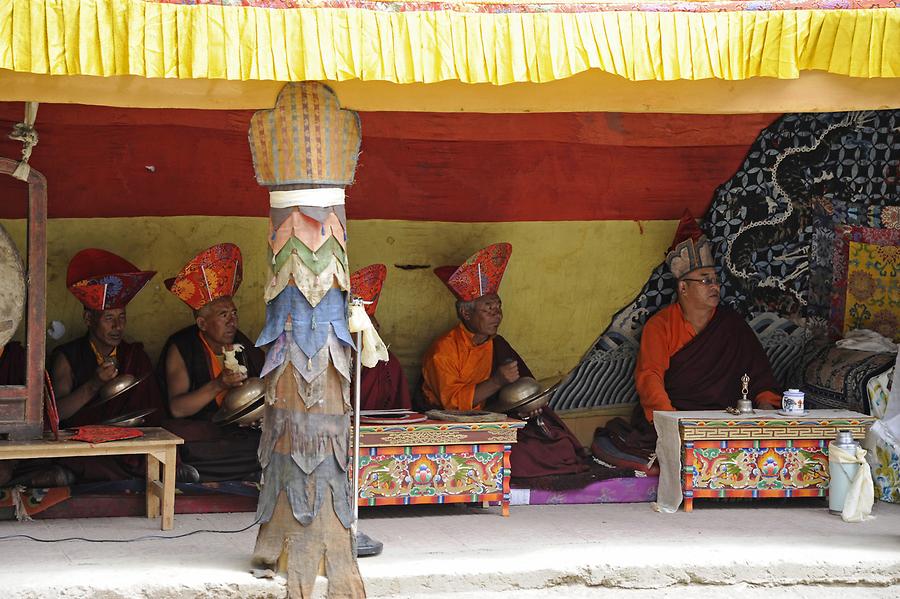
[{"x": 12, "y": 288}]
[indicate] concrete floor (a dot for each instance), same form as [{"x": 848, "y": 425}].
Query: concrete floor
[{"x": 720, "y": 551}]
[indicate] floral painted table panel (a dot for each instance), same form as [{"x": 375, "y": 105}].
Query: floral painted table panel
[{"x": 436, "y": 462}]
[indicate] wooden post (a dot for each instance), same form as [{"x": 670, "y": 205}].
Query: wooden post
[{"x": 306, "y": 148}]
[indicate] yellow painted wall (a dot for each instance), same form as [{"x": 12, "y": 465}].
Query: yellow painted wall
[{"x": 564, "y": 282}]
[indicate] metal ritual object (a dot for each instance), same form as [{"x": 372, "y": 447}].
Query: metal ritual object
[
  {"x": 522, "y": 397},
  {"x": 135, "y": 418},
  {"x": 238, "y": 399},
  {"x": 247, "y": 415},
  {"x": 116, "y": 387},
  {"x": 745, "y": 406}
]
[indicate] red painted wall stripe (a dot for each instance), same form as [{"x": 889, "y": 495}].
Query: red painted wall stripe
[{"x": 413, "y": 166}]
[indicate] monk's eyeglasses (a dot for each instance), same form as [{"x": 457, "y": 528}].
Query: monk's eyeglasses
[{"x": 706, "y": 281}]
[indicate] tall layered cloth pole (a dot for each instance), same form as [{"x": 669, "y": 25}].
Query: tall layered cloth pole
[{"x": 305, "y": 151}]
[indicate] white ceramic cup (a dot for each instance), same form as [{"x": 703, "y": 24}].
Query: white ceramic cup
[{"x": 792, "y": 400}]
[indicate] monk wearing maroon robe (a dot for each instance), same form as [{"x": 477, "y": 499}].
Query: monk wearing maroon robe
[
  {"x": 104, "y": 283},
  {"x": 694, "y": 352},
  {"x": 192, "y": 371},
  {"x": 466, "y": 368},
  {"x": 384, "y": 386}
]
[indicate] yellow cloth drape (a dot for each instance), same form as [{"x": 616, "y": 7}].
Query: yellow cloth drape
[{"x": 133, "y": 37}]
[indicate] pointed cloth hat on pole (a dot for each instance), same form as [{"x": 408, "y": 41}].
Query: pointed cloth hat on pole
[
  {"x": 101, "y": 280},
  {"x": 213, "y": 273},
  {"x": 366, "y": 284},
  {"x": 480, "y": 275}
]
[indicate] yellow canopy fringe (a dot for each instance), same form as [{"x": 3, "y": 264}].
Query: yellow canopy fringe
[{"x": 147, "y": 39}]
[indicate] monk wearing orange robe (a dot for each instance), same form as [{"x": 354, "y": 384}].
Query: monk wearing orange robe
[
  {"x": 384, "y": 386},
  {"x": 695, "y": 351},
  {"x": 468, "y": 365}
]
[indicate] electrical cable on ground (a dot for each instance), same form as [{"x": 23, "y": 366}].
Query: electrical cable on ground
[{"x": 142, "y": 538}]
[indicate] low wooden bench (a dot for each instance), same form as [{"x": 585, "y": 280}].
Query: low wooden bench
[{"x": 157, "y": 444}]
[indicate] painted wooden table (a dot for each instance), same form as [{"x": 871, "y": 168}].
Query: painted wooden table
[
  {"x": 759, "y": 455},
  {"x": 436, "y": 462},
  {"x": 157, "y": 444}
]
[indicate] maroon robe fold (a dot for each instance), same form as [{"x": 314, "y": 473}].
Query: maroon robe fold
[
  {"x": 384, "y": 387},
  {"x": 537, "y": 453},
  {"x": 12, "y": 364},
  {"x": 706, "y": 373}
]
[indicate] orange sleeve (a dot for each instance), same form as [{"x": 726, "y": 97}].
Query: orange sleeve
[
  {"x": 768, "y": 397},
  {"x": 652, "y": 363},
  {"x": 446, "y": 384}
]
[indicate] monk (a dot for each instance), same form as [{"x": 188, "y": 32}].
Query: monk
[
  {"x": 467, "y": 366},
  {"x": 695, "y": 351},
  {"x": 192, "y": 369},
  {"x": 384, "y": 386},
  {"x": 104, "y": 283}
]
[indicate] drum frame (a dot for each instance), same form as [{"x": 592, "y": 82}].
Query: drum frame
[{"x": 21, "y": 406}]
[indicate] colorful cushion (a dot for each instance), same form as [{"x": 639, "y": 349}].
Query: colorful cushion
[
  {"x": 874, "y": 267},
  {"x": 837, "y": 378},
  {"x": 878, "y": 389},
  {"x": 827, "y": 215},
  {"x": 873, "y": 292},
  {"x": 886, "y": 471}
]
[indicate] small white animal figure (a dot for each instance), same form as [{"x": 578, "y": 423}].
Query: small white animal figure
[{"x": 231, "y": 362}]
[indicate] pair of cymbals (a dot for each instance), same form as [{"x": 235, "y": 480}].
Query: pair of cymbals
[
  {"x": 116, "y": 387},
  {"x": 243, "y": 404},
  {"x": 247, "y": 415}
]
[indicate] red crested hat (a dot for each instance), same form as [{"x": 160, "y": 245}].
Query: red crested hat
[
  {"x": 366, "y": 284},
  {"x": 213, "y": 273},
  {"x": 479, "y": 275},
  {"x": 101, "y": 280}
]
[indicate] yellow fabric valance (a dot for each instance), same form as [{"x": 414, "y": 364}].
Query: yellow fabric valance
[{"x": 148, "y": 39}]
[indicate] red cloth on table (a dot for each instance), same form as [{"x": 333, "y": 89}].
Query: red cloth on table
[{"x": 98, "y": 433}]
